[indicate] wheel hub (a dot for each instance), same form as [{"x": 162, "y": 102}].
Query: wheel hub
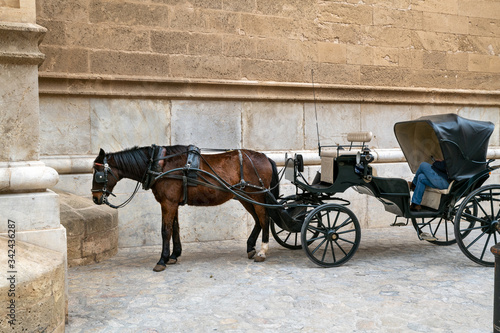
[
  {"x": 332, "y": 235},
  {"x": 491, "y": 225},
  {"x": 495, "y": 226}
]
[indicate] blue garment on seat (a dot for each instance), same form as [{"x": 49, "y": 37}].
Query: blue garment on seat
[{"x": 429, "y": 175}]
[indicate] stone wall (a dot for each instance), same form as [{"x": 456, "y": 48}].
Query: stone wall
[
  {"x": 273, "y": 127},
  {"x": 448, "y": 44},
  {"x": 231, "y": 74},
  {"x": 38, "y": 290},
  {"x": 92, "y": 231},
  {"x": 29, "y": 210}
]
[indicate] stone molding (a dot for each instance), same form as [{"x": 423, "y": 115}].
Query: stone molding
[
  {"x": 26, "y": 176},
  {"x": 21, "y": 41},
  {"x": 149, "y": 87},
  {"x": 70, "y": 164},
  {"x": 83, "y": 163}
]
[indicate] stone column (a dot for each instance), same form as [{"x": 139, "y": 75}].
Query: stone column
[{"x": 25, "y": 198}]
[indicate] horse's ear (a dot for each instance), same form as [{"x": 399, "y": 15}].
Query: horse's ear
[{"x": 100, "y": 157}]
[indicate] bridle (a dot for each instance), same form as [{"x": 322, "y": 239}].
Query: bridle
[
  {"x": 101, "y": 177},
  {"x": 150, "y": 176}
]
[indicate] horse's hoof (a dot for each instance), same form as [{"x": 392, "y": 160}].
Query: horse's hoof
[
  {"x": 251, "y": 254},
  {"x": 171, "y": 261},
  {"x": 259, "y": 259},
  {"x": 159, "y": 268}
]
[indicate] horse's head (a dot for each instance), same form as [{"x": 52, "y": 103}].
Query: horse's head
[{"x": 105, "y": 178}]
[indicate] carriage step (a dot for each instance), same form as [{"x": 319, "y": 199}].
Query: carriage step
[
  {"x": 427, "y": 237},
  {"x": 399, "y": 224}
]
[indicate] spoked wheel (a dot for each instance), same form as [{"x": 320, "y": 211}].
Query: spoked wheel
[
  {"x": 441, "y": 228},
  {"x": 285, "y": 238},
  {"x": 290, "y": 238},
  {"x": 330, "y": 235},
  {"x": 477, "y": 224}
]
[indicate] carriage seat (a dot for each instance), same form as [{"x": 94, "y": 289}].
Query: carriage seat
[
  {"x": 360, "y": 137},
  {"x": 363, "y": 137},
  {"x": 328, "y": 156},
  {"x": 432, "y": 196}
]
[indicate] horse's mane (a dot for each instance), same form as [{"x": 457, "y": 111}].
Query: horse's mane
[
  {"x": 135, "y": 160},
  {"x": 171, "y": 150}
]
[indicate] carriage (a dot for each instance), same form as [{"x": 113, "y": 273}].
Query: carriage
[
  {"x": 314, "y": 218},
  {"x": 466, "y": 212}
]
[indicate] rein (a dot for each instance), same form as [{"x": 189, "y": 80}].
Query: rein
[
  {"x": 237, "y": 190},
  {"x": 126, "y": 202}
]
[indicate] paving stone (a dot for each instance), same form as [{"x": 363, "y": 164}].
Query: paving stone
[{"x": 394, "y": 283}]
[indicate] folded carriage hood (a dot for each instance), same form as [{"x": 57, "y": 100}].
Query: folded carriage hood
[{"x": 461, "y": 142}]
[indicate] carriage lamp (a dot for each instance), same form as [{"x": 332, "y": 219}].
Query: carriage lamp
[{"x": 363, "y": 158}]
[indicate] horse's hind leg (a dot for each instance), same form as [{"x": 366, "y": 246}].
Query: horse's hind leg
[
  {"x": 264, "y": 223},
  {"x": 252, "y": 239},
  {"x": 176, "y": 239}
]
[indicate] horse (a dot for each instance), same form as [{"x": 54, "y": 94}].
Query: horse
[{"x": 179, "y": 175}]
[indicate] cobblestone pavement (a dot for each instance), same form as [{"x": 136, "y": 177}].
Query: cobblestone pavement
[{"x": 394, "y": 283}]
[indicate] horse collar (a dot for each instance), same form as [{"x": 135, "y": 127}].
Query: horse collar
[{"x": 155, "y": 167}]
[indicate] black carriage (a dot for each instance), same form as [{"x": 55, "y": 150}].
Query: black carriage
[
  {"x": 466, "y": 212},
  {"x": 314, "y": 218}
]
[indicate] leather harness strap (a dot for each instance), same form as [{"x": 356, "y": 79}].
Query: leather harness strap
[
  {"x": 242, "y": 180},
  {"x": 190, "y": 174},
  {"x": 156, "y": 162}
]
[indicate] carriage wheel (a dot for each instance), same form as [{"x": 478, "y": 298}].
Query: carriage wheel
[
  {"x": 477, "y": 230},
  {"x": 285, "y": 238},
  {"x": 441, "y": 227},
  {"x": 290, "y": 239},
  {"x": 330, "y": 235}
]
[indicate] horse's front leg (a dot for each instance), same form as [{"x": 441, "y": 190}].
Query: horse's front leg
[
  {"x": 176, "y": 239},
  {"x": 168, "y": 212}
]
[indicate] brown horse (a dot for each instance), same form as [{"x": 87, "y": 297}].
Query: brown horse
[{"x": 246, "y": 173}]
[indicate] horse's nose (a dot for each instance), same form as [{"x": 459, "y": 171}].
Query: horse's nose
[{"x": 96, "y": 201}]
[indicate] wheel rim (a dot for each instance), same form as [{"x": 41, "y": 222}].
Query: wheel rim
[
  {"x": 285, "y": 238},
  {"x": 477, "y": 231},
  {"x": 291, "y": 239},
  {"x": 330, "y": 235},
  {"x": 441, "y": 227}
]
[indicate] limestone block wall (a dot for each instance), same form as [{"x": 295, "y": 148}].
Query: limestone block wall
[
  {"x": 92, "y": 231},
  {"x": 233, "y": 74},
  {"x": 39, "y": 288},
  {"x": 273, "y": 127},
  {"x": 36, "y": 281},
  {"x": 451, "y": 44}
]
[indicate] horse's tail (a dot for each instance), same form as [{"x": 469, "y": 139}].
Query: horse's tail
[
  {"x": 273, "y": 195},
  {"x": 275, "y": 181}
]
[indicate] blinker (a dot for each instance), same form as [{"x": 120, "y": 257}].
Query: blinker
[{"x": 99, "y": 177}]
